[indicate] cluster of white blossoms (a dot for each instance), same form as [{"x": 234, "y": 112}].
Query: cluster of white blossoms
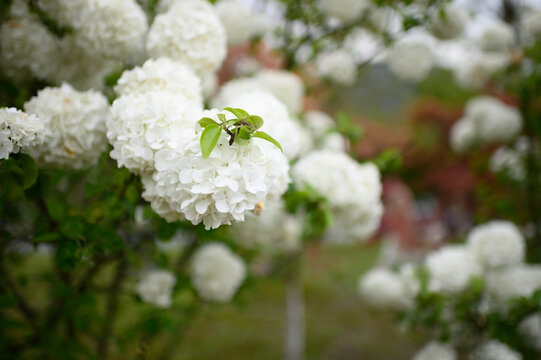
[
  {"x": 494, "y": 350},
  {"x": 486, "y": 120},
  {"x": 240, "y": 22},
  {"x": 511, "y": 159},
  {"x": 531, "y": 23},
  {"x": 272, "y": 230},
  {"x": 156, "y": 287},
  {"x": 221, "y": 188},
  {"x": 338, "y": 66},
  {"x": 344, "y": 10},
  {"x": 189, "y": 32},
  {"x": 448, "y": 22},
  {"x": 216, "y": 272},
  {"x": 410, "y": 60},
  {"x": 476, "y": 68},
  {"x": 505, "y": 284},
  {"x": 352, "y": 189},
  {"x": 496, "y": 36},
  {"x": 530, "y": 329},
  {"x": 436, "y": 351},
  {"x": 74, "y": 129},
  {"x": 18, "y": 130},
  {"x": 321, "y": 127},
  {"x": 386, "y": 289}
]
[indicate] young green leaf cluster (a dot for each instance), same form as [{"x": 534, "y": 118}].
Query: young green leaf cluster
[{"x": 240, "y": 130}]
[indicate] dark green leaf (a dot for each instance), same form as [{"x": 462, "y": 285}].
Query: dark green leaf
[
  {"x": 209, "y": 139},
  {"x": 244, "y": 133},
  {"x": 265, "y": 136}
]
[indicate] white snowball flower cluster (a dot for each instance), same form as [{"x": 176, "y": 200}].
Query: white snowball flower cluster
[
  {"x": 508, "y": 160},
  {"x": 27, "y": 45},
  {"x": 273, "y": 229},
  {"x": 448, "y": 22},
  {"x": 74, "y": 126},
  {"x": 344, "y": 10},
  {"x": 319, "y": 122},
  {"x": 475, "y": 70},
  {"x": 352, "y": 189},
  {"x": 143, "y": 123},
  {"x": 240, "y": 23},
  {"x": 64, "y": 12},
  {"x": 531, "y": 23},
  {"x": 223, "y": 187},
  {"x": 410, "y": 60},
  {"x": 530, "y": 329},
  {"x": 451, "y": 268},
  {"x": 436, "y": 351},
  {"x": 511, "y": 282},
  {"x": 158, "y": 203},
  {"x": 285, "y": 85},
  {"x": 235, "y": 87},
  {"x": 338, "y": 66},
  {"x": 489, "y": 120},
  {"x": 18, "y": 130},
  {"x": 216, "y": 272},
  {"x": 497, "y": 244},
  {"x": 189, "y": 32},
  {"x": 386, "y": 289},
  {"x": 496, "y": 36},
  {"x": 278, "y": 123},
  {"x": 156, "y": 287},
  {"x": 162, "y": 74},
  {"x": 494, "y": 350},
  {"x": 112, "y": 28}
]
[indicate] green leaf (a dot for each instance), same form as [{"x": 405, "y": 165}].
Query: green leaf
[
  {"x": 255, "y": 121},
  {"x": 29, "y": 169},
  {"x": 245, "y": 133},
  {"x": 204, "y": 122},
  {"x": 239, "y": 113},
  {"x": 221, "y": 117},
  {"x": 263, "y": 135},
  {"x": 209, "y": 139}
]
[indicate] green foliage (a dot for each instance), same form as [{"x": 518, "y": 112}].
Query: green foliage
[
  {"x": 389, "y": 161},
  {"x": 240, "y": 130}
]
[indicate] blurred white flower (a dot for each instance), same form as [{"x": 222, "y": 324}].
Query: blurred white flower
[
  {"x": 64, "y": 12},
  {"x": 143, "y": 123},
  {"x": 475, "y": 70},
  {"x": 451, "y": 268},
  {"x": 462, "y": 136},
  {"x": 496, "y": 36},
  {"x": 285, "y": 85},
  {"x": 530, "y": 329},
  {"x": 162, "y": 74},
  {"x": 273, "y": 229},
  {"x": 221, "y": 188},
  {"x": 209, "y": 83},
  {"x": 505, "y": 284},
  {"x": 318, "y": 122},
  {"x": 436, "y": 351},
  {"x": 385, "y": 289},
  {"x": 508, "y": 160},
  {"x": 189, "y": 32},
  {"x": 352, "y": 189},
  {"x": 448, "y": 22},
  {"x": 497, "y": 244},
  {"x": 156, "y": 287},
  {"x": 337, "y": 66},
  {"x": 240, "y": 22},
  {"x": 18, "y": 130},
  {"x": 531, "y": 23},
  {"x": 344, "y": 10},
  {"x": 234, "y": 88},
  {"x": 494, "y": 350},
  {"x": 216, "y": 272},
  {"x": 73, "y": 126},
  {"x": 410, "y": 61},
  {"x": 277, "y": 121}
]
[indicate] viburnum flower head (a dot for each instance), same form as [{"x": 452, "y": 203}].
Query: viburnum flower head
[
  {"x": 410, "y": 60},
  {"x": 352, "y": 189},
  {"x": 476, "y": 68},
  {"x": 285, "y": 85},
  {"x": 385, "y": 289},
  {"x": 162, "y": 74},
  {"x": 156, "y": 287},
  {"x": 189, "y": 32},
  {"x": 462, "y": 136},
  {"x": 494, "y": 350},
  {"x": 448, "y": 22},
  {"x": 277, "y": 123},
  {"x": 222, "y": 187},
  {"x": 143, "y": 123},
  {"x": 436, "y": 351},
  {"x": 510, "y": 161},
  {"x": 530, "y": 329},
  {"x": 273, "y": 229},
  {"x": 18, "y": 130},
  {"x": 73, "y": 126},
  {"x": 240, "y": 23},
  {"x": 451, "y": 268},
  {"x": 338, "y": 66},
  {"x": 496, "y": 36},
  {"x": 497, "y": 244},
  {"x": 344, "y": 10},
  {"x": 216, "y": 272},
  {"x": 513, "y": 282},
  {"x": 234, "y": 88}
]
